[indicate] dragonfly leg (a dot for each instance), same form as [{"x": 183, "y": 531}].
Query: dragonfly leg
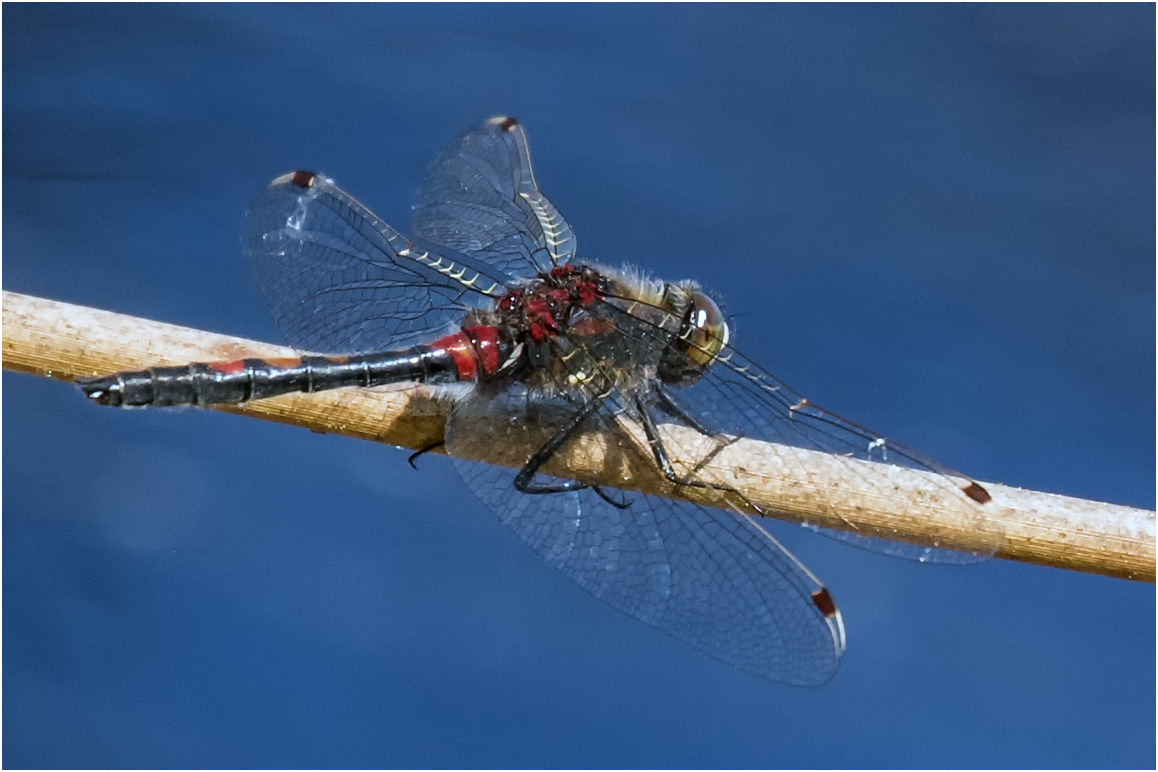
[
  {"x": 422, "y": 452},
  {"x": 523, "y": 482},
  {"x": 671, "y": 408},
  {"x": 624, "y": 503},
  {"x": 659, "y": 452},
  {"x": 653, "y": 440}
]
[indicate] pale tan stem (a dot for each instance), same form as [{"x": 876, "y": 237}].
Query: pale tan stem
[{"x": 64, "y": 341}]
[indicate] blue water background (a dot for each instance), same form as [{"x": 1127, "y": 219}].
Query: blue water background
[{"x": 938, "y": 220}]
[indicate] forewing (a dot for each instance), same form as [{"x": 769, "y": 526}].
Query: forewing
[
  {"x": 340, "y": 280},
  {"x": 481, "y": 199},
  {"x": 710, "y": 578},
  {"x": 738, "y": 398}
]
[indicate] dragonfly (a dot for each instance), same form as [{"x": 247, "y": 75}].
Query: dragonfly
[{"x": 488, "y": 297}]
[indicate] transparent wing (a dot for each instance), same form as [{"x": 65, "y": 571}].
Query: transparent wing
[
  {"x": 830, "y": 468},
  {"x": 738, "y": 398},
  {"x": 480, "y": 198},
  {"x": 340, "y": 280},
  {"x": 710, "y": 578}
]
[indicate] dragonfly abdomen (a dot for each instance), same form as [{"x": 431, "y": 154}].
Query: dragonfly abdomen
[
  {"x": 463, "y": 356},
  {"x": 242, "y": 380}
]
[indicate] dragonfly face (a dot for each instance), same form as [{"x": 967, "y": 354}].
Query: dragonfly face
[{"x": 702, "y": 336}]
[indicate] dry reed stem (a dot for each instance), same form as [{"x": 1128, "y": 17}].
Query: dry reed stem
[{"x": 64, "y": 341}]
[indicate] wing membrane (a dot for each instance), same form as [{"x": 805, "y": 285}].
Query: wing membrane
[
  {"x": 340, "y": 280},
  {"x": 710, "y": 578},
  {"x": 738, "y": 398},
  {"x": 481, "y": 199}
]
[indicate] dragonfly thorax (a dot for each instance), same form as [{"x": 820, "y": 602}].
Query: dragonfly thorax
[
  {"x": 586, "y": 314},
  {"x": 542, "y": 308}
]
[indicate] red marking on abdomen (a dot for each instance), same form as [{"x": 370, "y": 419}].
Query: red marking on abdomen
[
  {"x": 228, "y": 368},
  {"x": 486, "y": 346},
  {"x": 462, "y": 352}
]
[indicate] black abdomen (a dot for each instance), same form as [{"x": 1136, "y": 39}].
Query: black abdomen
[{"x": 242, "y": 380}]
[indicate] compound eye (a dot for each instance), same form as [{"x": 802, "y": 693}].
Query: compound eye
[{"x": 704, "y": 330}]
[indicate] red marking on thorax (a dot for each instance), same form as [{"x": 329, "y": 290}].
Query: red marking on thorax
[
  {"x": 543, "y": 309},
  {"x": 588, "y": 293},
  {"x": 590, "y": 327}
]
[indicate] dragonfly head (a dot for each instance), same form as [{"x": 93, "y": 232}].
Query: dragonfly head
[{"x": 703, "y": 333}]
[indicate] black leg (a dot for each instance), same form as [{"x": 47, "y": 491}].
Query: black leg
[
  {"x": 624, "y": 504},
  {"x": 544, "y": 454},
  {"x": 653, "y": 440},
  {"x": 659, "y": 452},
  {"x": 675, "y": 411},
  {"x": 423, "y": 451}
]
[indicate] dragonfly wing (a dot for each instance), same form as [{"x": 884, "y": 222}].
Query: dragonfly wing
[
  {"x": 481, "y": 199},
  {"x": 904, "y": 551},
  {"x": 713, "y": 579},
  {"x": 738, "y": 398},
  {"x": 340, "y": 280}
]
